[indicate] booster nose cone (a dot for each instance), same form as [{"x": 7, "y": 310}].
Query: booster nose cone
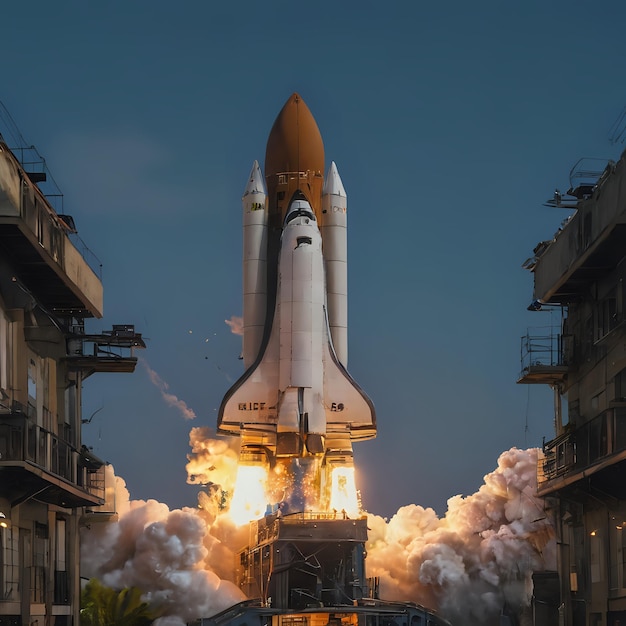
[
  {"x": 333, "y": 185},
  {"x": 294, "y": 159},
  {"x": 255, "y": 181}
]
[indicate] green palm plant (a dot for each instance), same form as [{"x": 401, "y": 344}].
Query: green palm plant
[{"x": 103, "y": 606}]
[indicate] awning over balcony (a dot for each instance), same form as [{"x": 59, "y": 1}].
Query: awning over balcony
[
  {"x": 602, "y": 256},
  {"x": 22, "y": 481}
]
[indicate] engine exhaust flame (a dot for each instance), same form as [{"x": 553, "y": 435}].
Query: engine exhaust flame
[
  {"x": 249, "y": 501},
  {"x": 343, "y": 495}
]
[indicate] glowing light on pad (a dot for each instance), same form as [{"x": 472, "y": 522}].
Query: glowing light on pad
[
  {"x": 343, "y": 496},
  {"x": 249, "y": 501}
]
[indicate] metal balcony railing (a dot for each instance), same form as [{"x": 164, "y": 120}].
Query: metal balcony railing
[
  {"x": 543, "y": 346},
  {"x": 22, "y": 439},
  {"x": 597, "y": 439},
  {"x": 41, "y": 179},
  {"x": 51, "y": 228},
  {"x": 546, "y": 355}
]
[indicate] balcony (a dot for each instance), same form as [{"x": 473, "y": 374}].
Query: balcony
[
  {"x": 111, "y": 351},
  {"x": 590, "y": 243},
  {"x": 592, "y": 452},
  {"x": 37, "y": 242},
  {"x": 36, "y": 462},
  {"x": 546, "y": 355}
]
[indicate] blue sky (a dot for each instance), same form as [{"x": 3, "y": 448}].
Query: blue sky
[{"x": 450, "y": 123}]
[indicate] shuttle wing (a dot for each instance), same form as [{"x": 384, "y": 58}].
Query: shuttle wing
[{"x": 348, "y": 408}]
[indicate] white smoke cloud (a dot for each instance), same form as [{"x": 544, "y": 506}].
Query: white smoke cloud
[
  {"x": 169, "y": 398},
  {"x": 468, "y": 565},
  {"x": 476, "y": 559},
  {"x": 172, "y": 556},
  {"x": 236, "y": 324}
]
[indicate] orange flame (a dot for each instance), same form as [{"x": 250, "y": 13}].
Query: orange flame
[
  {"x": 249, "y": 501},
  {"x": 343, "y": 494}
]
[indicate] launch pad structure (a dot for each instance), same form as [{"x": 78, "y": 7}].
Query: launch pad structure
[
  {"x": 308, "y": 569},
  {"x": 305, "y": 559}
]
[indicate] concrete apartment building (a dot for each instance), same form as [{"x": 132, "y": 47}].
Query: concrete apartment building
[
  {"x": 580, "y": 276},
  {"x": 49, "y": 481}
]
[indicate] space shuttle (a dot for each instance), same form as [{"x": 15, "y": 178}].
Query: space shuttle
[{"x": 296, "y": 398}]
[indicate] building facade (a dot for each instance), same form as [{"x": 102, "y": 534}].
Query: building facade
[
  {"x": 580, "y": 275},
  {"x": 49, "y": 480}
]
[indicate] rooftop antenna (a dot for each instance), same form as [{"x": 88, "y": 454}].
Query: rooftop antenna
[
  {"x": 9, "y": 129},
  {"x": 33, "y": 163}
]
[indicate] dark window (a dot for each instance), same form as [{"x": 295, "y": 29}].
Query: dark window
[
  {"x": 620, "y": 386},
  {"x": 607, "y": 316}
]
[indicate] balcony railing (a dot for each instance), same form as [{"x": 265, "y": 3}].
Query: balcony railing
[
  {"x": 546, "y": 355},
  {"x": 39, "y": 175},
  {"x": 22, "y": 439},
  {"x": 597, "y": 439}
]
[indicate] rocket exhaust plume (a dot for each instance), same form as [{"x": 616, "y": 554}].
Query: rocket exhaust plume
[
  {"x": 175, "y": 557},
  {"x": 169, "y": 398},
  {"x": 479, "y": 556},
  {"x": 343, "y": 495},
  {"x": 467, "y": 564},
  {"x": 249, "y": 501}
]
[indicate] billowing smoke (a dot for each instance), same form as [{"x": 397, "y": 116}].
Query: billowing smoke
[
  {"x": 177, "y": 558},
  {"x": 479, "y": 557},
  {"x": 169, "y": 398},
  {"x": 469, "y": 564},
  {"x": 236, "y": 324}
]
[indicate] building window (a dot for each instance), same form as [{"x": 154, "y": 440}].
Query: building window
[
  {"x": 70, "y": 417},
  {"x": 40, "y": 222},
  {"x": 61, "y": 580},
  {"x": 617, "y": 551},
  {"x": 607, "y": 316},
  {"x": 5, "y": 350},
  {"x": 32, "y": 388},
  {"x": 598, "y": 440},
  {"x": 40, "y": 558},
  {"x": 9, "y": 569},
  {"x": 619, "y": 426},
  {"x": 584, "y": 232},
  {"x": 619, "y": 386},
  {"x": 587, "y": 338},
  {"x": 595, "y": 555},
  {"x": 595, "y": 619},
  {"x": 45, "y": 395}
]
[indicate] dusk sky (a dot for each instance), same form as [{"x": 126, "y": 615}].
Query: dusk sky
[{"x": 451, "y": 124}]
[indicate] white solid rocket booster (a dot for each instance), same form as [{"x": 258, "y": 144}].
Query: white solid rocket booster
[
  {"x": 254, "y": 264},
  {"x": 335, "y": 238}
]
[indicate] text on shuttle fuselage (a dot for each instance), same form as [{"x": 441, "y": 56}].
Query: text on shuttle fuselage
[{"x": 251, "y": 406}]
